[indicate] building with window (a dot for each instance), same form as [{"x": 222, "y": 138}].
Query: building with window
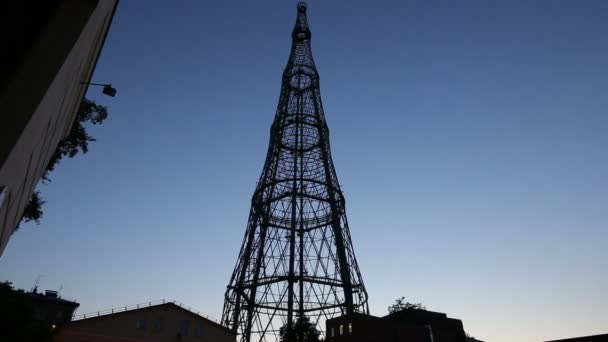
[
  {"x": 406, "y": 325},
  {"x": 31, "y": 315},
  {"x": 49, "y": 49},
  {"x": 166, "y": 321},
  {"x": 50, "y": 310}
]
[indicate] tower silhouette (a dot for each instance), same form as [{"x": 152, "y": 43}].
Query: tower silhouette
[{"x": 297, "y": 261}]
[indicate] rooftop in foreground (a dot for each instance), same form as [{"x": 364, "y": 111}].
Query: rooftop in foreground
[{"x": 158, "y": 321}]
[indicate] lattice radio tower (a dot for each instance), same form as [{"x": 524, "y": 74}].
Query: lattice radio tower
[{"x": 297, "y": 259}]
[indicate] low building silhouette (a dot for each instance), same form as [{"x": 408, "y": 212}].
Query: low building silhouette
[
  {"x": 412, "y": 325},
  {"x": 473, "y": 339},
  {"x": 166, "y": 321},
  {"x": 50, "y": 310},
  {"x": 592, "y": 338},
  {"x": 30, "y": 315}
]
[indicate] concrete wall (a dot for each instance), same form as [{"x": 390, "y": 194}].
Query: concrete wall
[
  {"x": 39, "y": 102},
  {"x": 144, "y": 325}
]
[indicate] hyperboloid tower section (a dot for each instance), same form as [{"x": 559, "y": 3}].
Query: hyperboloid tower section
[{"x": 296, "y": 262}]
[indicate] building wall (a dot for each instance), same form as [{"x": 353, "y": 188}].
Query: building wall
[
  {"x": 49, "y": 309},
  {"x": 410, "y": 326},
  {"x": 356, "y": 328},
  {"x": 449, "y": 330},
  {"x": 156, "y": 323},
  {"x": 39, "y": 101}
]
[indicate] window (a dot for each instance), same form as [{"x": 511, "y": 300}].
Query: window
[
  {"x": 184, "y": 326},
  {"x": 158, "y": 325},
  {"x": 140, "y": 323},
  {"x": 198, "y": 331},
  {"x": 430, "y": 329},
  {"x": 341, "y": 329},
  {"x": 3, "y": 195},
  {"x": 40, "y": 314},
  {"x": 333, "y": 332},
  {"x": 350, "y": 328}
]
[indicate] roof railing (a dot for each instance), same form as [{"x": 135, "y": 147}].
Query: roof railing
[{"x": 140, "y": 306}]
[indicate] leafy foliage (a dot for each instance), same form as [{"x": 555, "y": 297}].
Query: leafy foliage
[
  {"x": 401, "y": 305},
  {"x": 76, "y": 141},
  {"x": 303, "y": 330},
  {"x": 33, "y": 209}
]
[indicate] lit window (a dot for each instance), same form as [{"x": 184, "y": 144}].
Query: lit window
[
  {"x": 341, "y": 329},
  {"x": 350, "y": 328},
  {"x": 333, "y": 332},
  {"x": 140, "y": 323}
]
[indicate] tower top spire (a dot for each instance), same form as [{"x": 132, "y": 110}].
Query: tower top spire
[
  {"x": 302, "y": 6},
  {"x": 301, "y": 31}
]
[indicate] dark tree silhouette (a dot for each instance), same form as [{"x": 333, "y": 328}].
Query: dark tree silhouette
[
  {"x": 16, "y": 316},
  {"x": 303, "y": 330},
  {"x": 15, "y": 311},
  {"x": 33, "y": 209},
  {"x": 401, "y": 305},
  {"x": 76, "y": 141}
]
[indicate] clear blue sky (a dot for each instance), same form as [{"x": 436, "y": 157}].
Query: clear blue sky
[{"x": 470, "y": 138}]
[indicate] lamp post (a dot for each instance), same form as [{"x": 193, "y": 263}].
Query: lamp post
[{"x": 107, "y": 88}]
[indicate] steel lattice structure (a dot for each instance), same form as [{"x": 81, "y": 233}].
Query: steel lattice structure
[{"x": 297, "y": 258}]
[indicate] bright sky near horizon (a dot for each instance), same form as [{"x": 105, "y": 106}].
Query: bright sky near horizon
[{"x": 470, "y": 138}]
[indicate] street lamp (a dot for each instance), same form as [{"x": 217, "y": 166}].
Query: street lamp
[{"x": 107, "y": 88}]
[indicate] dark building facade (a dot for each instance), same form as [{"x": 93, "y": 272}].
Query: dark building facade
[
  {"x": 407, "y": 325},
  {"x": 50, "y": 310},
  {"x": 30, "y": 315}
]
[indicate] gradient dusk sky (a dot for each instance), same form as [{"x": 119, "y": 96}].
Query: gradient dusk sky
[{"x": 470, "y": 138}]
